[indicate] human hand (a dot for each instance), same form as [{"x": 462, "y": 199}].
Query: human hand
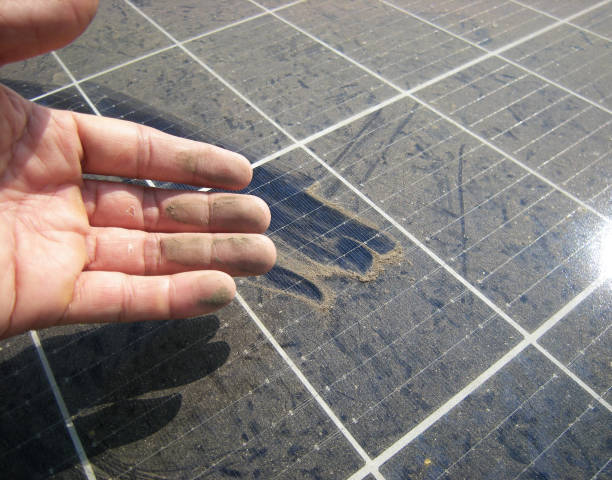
[{"x": 74, "y": 250}]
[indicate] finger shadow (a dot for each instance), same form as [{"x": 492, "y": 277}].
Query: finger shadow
[{"x": 121, "y": 383}]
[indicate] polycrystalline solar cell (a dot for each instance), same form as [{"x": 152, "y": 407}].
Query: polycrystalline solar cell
[
  {"x": 572, "y": 57},
  {"x": 598, "y": 20},
  {"x": 561, "y": 9},
  {"x": 190, "y": 18}
]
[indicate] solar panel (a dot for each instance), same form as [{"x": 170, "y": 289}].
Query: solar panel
[{"x": 439, "y": 181}]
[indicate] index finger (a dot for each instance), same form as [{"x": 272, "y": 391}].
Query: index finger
[{"x": 126, "y": 149}]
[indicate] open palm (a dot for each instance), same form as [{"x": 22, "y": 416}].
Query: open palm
[{"x": 74, "y": 250}]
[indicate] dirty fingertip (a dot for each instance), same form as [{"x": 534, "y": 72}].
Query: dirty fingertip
[
  {"x": 271, "y": 253},
  {"x": 214, "y": 290},
  {"x": 246, "y": 170},
  {"x": 263, "y": 217},
  {"x": 234, "y": 170},
  {"x": 244, "y": 255}
]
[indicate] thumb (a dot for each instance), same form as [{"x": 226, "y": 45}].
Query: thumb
[{"x": 32, "y": 27}]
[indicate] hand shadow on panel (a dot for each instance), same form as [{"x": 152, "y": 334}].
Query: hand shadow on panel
[
  {"x": 317, "y": 239},
  {"x": 324, "y": 239},
  {"x": 121, "y": 383}
]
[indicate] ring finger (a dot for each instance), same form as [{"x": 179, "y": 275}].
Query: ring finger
[{"x": 142, "y": 253}]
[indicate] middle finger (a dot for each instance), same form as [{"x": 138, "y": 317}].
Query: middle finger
[{"x": 111, "y": 204}]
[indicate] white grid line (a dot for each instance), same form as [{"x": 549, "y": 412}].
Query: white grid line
[
  {"x": 322, "y": 403},
  {"x": 558, "y": 19},
  {"x": 601, "y": 469},
  {"x": 498, "y": 52},
  {"x": 556, "y": 439},
  {"x": 499, "y": 424},
  {"x": 530, "y": 339},
  {"x": 57, "y": 394},
  {"x": 157, "y": 51}
]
